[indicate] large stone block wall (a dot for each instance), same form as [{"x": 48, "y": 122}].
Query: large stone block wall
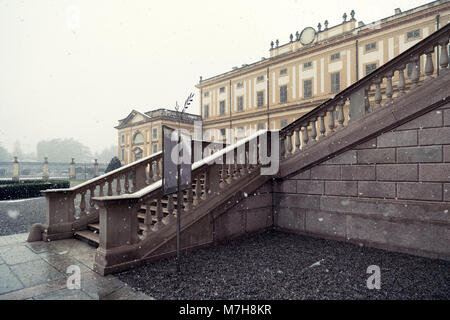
[{"x": 391, "y": 192}]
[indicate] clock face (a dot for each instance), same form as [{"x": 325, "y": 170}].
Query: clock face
[{"x": 308, "y": 35}]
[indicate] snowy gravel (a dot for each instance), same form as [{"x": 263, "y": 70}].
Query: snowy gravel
[{"x": 275, "y": 265}]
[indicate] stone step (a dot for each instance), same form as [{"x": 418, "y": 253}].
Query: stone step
[{"x": 88, "y": 236}]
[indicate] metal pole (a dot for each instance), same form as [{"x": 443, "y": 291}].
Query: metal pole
[{"x": 178, "y": 198}]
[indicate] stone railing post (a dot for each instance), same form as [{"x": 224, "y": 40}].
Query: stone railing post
[
  {"x": 118, "y": 230},
  {"x": 72, "y": 169},
  {"x": 95, "y": 168},
  {"x": 15, "y": 175},
  {"x": 60, "y": 216},
  {"x": 45, "y": 174}
]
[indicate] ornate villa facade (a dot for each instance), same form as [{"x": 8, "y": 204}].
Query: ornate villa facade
[
  {"x": 311, "y": 68},
  {"x": 140, "y": 134}
]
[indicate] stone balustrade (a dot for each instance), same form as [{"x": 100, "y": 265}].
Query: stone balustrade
[
  {"x": 377, "y": 90},
  {"x": 73, "y": 208},
  {"x": 132, "y": 225}
]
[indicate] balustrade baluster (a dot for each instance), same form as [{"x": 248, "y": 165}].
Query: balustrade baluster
[
  {"x": 150, "y": 173},
  {"x": 429, "y": 67},
  {"x": 297, "y": 139},
  {"x": 158, "y": 170},
  {"x": 236, "y": 167},
  {"x": 305, "y": 134},
  {"x": 159, "y": 214},
  {"x": 101, "y": 194},
  {"x": 190, "y": 199},
  {"x": 118, "y": 184},
  {"x": 110, "y": 193},
  {"x": 313, "y": 130},
  {"x": 322, "y": 128},
  {"x": 443, "y": 61},
  {"x": 91, "y": 201},
  {"x": 401, "y": 80},
  {"x": 341, "y": 116},
  {"x": 288, "y": 143},
  {"x": 170, "y": 209},
  {"x": 378, "y": 96},
  {"x": 148, "y": 220},
  {"x": 367, "y": 105},
  {"x": 282, "y": 147},
  {"x": 415, "y": 72},
  {"x": 83, "y": 204},
  {"x": 198, "y": 191},
  {"x": 127, "y": 183},
  {"x": 223, "y": 175},
  {"x": 134, "y": 180},
  {"x": 331, "y": 119},
  {"x": 389, "y": 91}
]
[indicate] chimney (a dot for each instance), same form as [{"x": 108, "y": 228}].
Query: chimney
[{"x": 398, "y": 11}]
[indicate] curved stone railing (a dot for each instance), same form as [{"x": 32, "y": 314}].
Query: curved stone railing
[
  {"x": 128, "y": 233},
  {"x": 377, "y": 90},
  {"x": 73, "y": 208}
]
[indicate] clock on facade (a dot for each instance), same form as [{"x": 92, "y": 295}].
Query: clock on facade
[{"x": 307, "y": 36}]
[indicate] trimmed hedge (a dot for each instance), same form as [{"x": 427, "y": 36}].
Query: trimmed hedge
[
  {"x": 22, "y": 181},
  {"x": 23, "y": 190}
]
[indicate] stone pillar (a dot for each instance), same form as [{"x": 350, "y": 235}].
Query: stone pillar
[
  {"x": 72, "y": 169},
  {"x": 95, "y": 168},
  {"x": 15, "y": 175},
  {"x": 45, "y": 174}
]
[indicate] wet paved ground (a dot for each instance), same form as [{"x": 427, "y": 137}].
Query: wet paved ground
[
  {"x": 275, "y": 265},
  {"x": 38, "y": 271},
  {"x": 17, "y": 216}
]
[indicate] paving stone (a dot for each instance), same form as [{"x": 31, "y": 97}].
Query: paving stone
[
  {"x": 35, "y": 272},
  {"x": 397, "y": 139},
  {"x": 434, "y": 136},
  {"x": 101, "y": 286},
  {"x": 14, "y": 254},
  {"x": 8, "y": 281},
  {"x": 419, "y": 154},
  {"x": 370, "y": 156},
  {"x": 62, "y": 261},
  {"x": 64, "y": 294}
]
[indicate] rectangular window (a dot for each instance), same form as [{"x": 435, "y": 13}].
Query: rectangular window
[
  {"x": 155, "y": 148},
  {"x": 239, "y": 85},
  {"x": 240, "y": 131},
  {"x": 283, "y": 94},
  {"x": 307, "y": 88},
  {"x": 370, "y": 68},
  {"x": 240, "y": 104},
  {"x": 307, "y": 65},
  {"x": 283, "y": 72},
  {"x": 123, "y": 139},
  {"x": 222, "y": 132},
  {"x": 335, "y": 56},
  {"x": 155, "y": 133},
  {"x": 335, "y": 82},
  {"x": 260, "y": 99},
  {"x": 261, "y": 126},
  {"x": 222, "y": 108},
  {"x": 413, "y": 34},
  {"x": 260, "y": 78},
  {"x": 206, "y": 111},
  {"x": 222, "y": 90},
  {"x": 283, "y": 123},
  {"x": 371, "y": 46},
  {"x": 123, "y": 154},
  {"x": 206, "y": 94}
]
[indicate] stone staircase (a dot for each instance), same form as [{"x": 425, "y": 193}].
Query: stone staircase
[{"x": 135, "y": 222}]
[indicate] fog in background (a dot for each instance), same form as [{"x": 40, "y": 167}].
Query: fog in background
[{"x": 71, "y": 69}]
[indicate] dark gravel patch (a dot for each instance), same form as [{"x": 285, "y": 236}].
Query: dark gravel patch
[
  {"x": 275, "y": 265},
  {"x": 17, "y": 216}
]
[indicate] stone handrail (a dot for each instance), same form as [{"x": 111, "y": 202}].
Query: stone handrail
[
  {"x": 123, "y": 239},
  {"x": 377, "y": 90}
]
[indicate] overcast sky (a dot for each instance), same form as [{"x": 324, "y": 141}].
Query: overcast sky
[{"x": 73, "y": 68}]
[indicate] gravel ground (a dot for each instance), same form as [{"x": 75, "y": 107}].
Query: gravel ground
[
  {"x": 17, "y": 216},
  {"x": 275, "y": 265}
]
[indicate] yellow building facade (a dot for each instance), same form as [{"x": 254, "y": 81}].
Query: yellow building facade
[
  {"x": 311, "y": 68},
  {"x": 140, "y": 134}
]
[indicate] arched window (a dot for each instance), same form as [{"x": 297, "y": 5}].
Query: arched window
[{"x": 138, "y": 138}]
